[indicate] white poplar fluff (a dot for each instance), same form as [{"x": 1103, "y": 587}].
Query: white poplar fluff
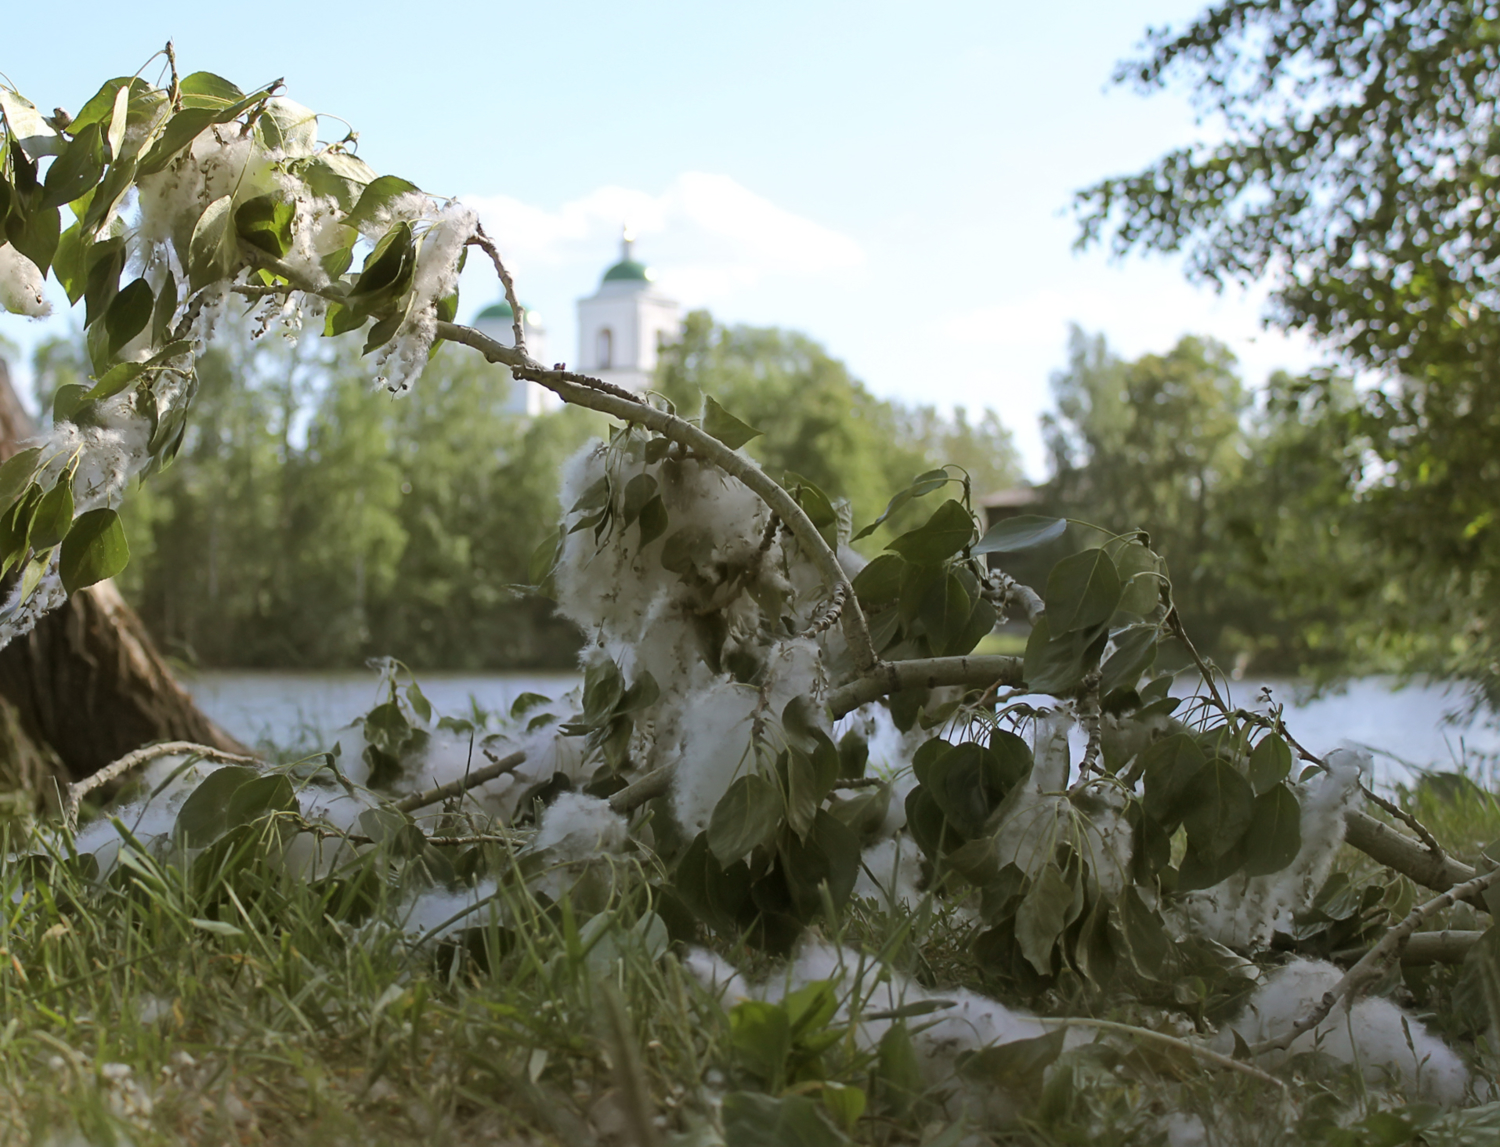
[
  {"x": 1373, "y": 1034},
  {"x": 225, "y": 163},
  {"x": 1243, "y": 911},
  {"x": 648, "y": 619}
]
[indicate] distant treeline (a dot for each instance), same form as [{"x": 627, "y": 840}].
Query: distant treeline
[{"x": 310, "y": 523}]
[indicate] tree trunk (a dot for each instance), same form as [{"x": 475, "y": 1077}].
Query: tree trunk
[{"x": 87, "y": 685}]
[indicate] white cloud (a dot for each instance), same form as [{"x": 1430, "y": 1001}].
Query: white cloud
[{"x": 706, "y": 236}]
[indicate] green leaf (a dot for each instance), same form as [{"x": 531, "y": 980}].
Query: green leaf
[
  {"x": 387, "y": 271},
  {"x": 603, "y": 686},
  {"x": 921, "y": 485},
  {"x": 1042, "y": 916},
  {"x": 687, "y": 548},
  {"x": 206, "y": 90},
  {"x": 880, "y": 581},
  {"x": 204, "y": 815},
  {"x": 1134, "y": 652},
  {"x": 212, "y": 250},
  {"x": 1056, "y": 665},
  {"x": 1169, "y": 767},
  {"x": 31, "y": 576},
  {"x": 1220, "y": 804},
  {"x": 94, "y": 549},
  {"x": 746, "y": 817},
  {"x": 1146, "y": 937},
  {"x": 1275, "y": 834},
  {"x": 186, "y": 125},
  {"x": 71, "y": 397},
  {"x": 35, "y": 232},
  {"x": 69, "y": 264},
  {"x": 950, "y": 528},
  {"x": 817, "y": 505},
  {"x": 1082, "y": 591},
  {"x": 1017, "y": 1066},
  {"x": 761, "y": 1035},
  {"x": 418, "y": 702},
  {"x": 32, "y": 133},
  {"x": 638, "y": 491},
  {"x": 15, "y": 475},
  {"x": 54, "y": 514},
  {"x": 128, "y": 314},
  {"x": 755, "y": 1120},
  {"x": 15, "y": 527},
  {"x": 265, "y": 222},
  {"x": 1270, "y": 764},
  {"x": 1139, "y": 571},
  {"x": 166, "y": 308},
  {"x": 377, "y": 197},
  {"x": 724, "y": 426},
  {"x": 944, "y": 614},
  {"x": 78, "y": 169},
  {"x": 1023, "y": 532},
  {"x": 968, "y": 782}
]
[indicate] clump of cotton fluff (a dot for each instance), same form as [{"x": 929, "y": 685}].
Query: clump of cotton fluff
[
  {"x": 577, "y": 827},
  {"x": 714, "y": 751},
  {"x": 1244, "y": 912},
  {"x": 21, "y": 285},
  {"x": 435, "y": 279},
  {"x": 221, "y": 161},
  {"x": 966, "y": 1022},
  {"x": 890, "y": 874},
  {"x": 1373, "y": 1034}
]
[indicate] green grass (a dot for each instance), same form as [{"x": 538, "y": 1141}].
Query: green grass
[{"x": 223, "y": 1001}]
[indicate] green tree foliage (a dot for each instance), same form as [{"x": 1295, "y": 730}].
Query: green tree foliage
[
  {"x": 306, "y": 522},
  {"x": 1357, "y": 166},
  {"x": 1275, "y": 561},
  {"x": 822, "y": 423}
]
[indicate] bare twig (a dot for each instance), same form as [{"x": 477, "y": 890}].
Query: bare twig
[
  {"x": 487, "y": 245},
  {"x": 1410, "y": 821},
  {"x": 131, "y": 761},
  {"x": 1218, "y": 1059},
  {"x": 456, "y": 788},
  {"x": 924, "y": 673},
  {"x": 175, "y": 93},
  {"x": 1092, "y": 721},
  {"x": 1376, "y": 962},
  {"x": 1174, "y": 623}
]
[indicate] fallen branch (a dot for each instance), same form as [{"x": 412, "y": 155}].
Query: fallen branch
[
  {"x": 1376, "y": 962},
  {"x": 1449, "y": 946},
  {"x": 649, "y": 787},
  {"x": 1218, "y": 1059},
  {"x": 1382, "y": 843},
  {"x": 457, "y": 788},
  {"x": 924, "y": 673},
  {"x": 580, "y": 390},
  {"x": 131, "y": 761}
]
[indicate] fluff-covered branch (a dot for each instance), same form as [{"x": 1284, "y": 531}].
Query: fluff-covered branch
[
  {"x": 580, "y": 390},
  {"x": 924, "y": 673}
]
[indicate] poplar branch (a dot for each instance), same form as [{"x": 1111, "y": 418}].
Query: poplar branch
[
  {"x": 924, "y": 673},
  {"x": 457, "y": 788},
  {"x": 1382, "y": 843},
  {"x": 487, "y": 245},
  {"x": 131, "y": 761},
  {"x": 1376, "y": 962},
  {"x": 580, "y": 390}
]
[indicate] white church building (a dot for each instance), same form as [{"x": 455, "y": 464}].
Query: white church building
[{"x": 621, "y": 329}]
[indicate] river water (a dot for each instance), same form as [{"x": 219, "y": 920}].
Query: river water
[{"x": 1415, "y": 725}]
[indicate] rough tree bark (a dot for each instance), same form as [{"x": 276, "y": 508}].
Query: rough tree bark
[{"x": 87, "y": 685}]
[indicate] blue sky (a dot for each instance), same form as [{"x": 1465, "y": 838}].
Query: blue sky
[{"x": 893, "y": 178}]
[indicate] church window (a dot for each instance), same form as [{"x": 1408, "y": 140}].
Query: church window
[{"x": 606, "y": 349}]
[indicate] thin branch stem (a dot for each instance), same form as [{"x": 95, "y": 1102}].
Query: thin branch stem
[
  {"x": 439, "y": 793},
  {"x": 1410, "y": 821},
  {"x": 1174, "y": 623},
  {"x": 131, "y": 761},
  {"x": 1376, "y": 962},
  {"x": 487, "y": 245},
  {"x": 1172, "y": 1041}
]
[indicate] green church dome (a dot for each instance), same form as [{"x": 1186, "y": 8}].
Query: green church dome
[
  {"x": 500, "y": 310},
  {"x": 627, "y": 271}
]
